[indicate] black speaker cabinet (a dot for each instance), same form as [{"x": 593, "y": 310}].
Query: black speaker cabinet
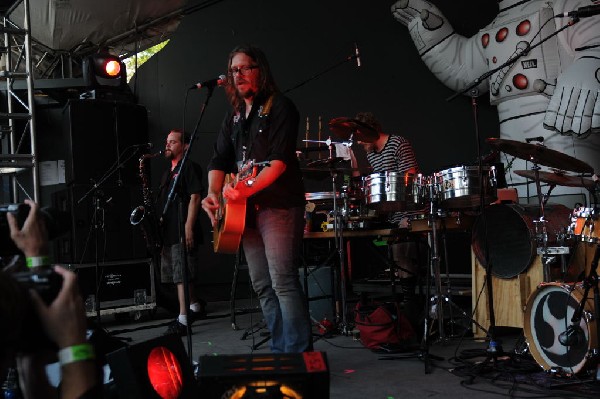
[
  {"x": 104, "y": 212},
  {"x": 99, "y": 136},
  {"x": 277, "y": 375}
]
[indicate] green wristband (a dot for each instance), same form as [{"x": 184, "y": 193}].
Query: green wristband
[
  {"x": 36, "y": 261},
  {"x": 76, "y": 353}
]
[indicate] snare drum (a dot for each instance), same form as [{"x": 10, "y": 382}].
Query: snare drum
[
  {"x": 548, "y": 314},
  {"x": 391, "y": 191},
  {"x": 458, "y": 187},
  {"x": 585, "y": 224}
]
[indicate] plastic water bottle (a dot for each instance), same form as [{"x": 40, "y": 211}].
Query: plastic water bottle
[{"x": 10, "y": 388}]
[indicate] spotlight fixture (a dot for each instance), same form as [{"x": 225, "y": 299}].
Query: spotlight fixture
[
  {"x": 155, "y": 369},
  {"x": 104, "y": 70}
]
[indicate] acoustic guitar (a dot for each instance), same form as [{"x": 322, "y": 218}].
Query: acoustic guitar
[{"x": 231, "y": 215}]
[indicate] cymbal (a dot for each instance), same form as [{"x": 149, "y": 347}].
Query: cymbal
[
  {"x": 541, "y": 155},
  {"x": 559, "y": 179},
  {"x": 345, "y": 128},
  {"x": 325, "y": 162}
]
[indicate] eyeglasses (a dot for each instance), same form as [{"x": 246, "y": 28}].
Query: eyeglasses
[{"x": 245, "y": 70}]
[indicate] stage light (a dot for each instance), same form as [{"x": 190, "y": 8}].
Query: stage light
[
  {"x": 283, "y": 375},
  {"x": 104, "y": 70},
  {"x": 154, "y": 369},
  {"x": 112, "y": 68}
]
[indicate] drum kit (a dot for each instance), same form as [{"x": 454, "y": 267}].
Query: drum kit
[{"x": 560, "y": 322}]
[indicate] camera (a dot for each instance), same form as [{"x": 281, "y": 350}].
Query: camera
[
  {"x": 44, "y": 280},
  {"x": 57, "y": 223}
]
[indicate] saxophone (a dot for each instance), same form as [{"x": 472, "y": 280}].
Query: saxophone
[{"x": 145, "y": 214}]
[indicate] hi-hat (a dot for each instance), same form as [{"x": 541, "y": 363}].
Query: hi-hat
[
  {"x": 557, "y": 178},
  {"x": 541, "y": 155},
  {"x": 346, "y": 128}
]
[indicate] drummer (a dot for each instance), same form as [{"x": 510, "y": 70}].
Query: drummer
[{"x": 393, "y": 153}]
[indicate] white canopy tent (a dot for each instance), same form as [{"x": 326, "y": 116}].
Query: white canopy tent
[{"x": 65, "y": 31}]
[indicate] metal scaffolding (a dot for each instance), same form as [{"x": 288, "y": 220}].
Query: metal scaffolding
[{"x": 18, "y": 160}]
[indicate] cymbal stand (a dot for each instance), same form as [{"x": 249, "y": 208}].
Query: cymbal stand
[
  {"x": 337, "y": 231},
  {"x": 431, "y": 308},
  {"x": 338, "y": 228},
  {"x": 435, "y": 304}
]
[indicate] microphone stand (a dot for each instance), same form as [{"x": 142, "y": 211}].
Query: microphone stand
[
  {"x": 98, "y": 210},
  {"x": 494, "y": 349},
  {"x": 181, "y": 223},
  {"x": 315, "y": 76}
]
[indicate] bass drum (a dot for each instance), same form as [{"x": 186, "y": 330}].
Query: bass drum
[
  {"x": 512, "y": 236},
  {"x": 548, "y": 314}
]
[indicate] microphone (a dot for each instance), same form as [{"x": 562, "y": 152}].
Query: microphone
[
  {"x": 148, "y": 146},
  {"x": 539, "y": 138},
  {"x": 573, "y": 335},
  {"x": 581, "y": 12},
  {"x": 357, "y": 55},
  {"x": 220, "y": 81}
]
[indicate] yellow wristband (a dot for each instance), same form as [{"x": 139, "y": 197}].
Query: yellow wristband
[
  {"x": 76, "y": 353},
  {"x": 36, "y": 261}
]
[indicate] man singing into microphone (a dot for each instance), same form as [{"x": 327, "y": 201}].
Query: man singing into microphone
[
  {"x": 262, "y": 125},
  {"x": 189, "y": 190}
]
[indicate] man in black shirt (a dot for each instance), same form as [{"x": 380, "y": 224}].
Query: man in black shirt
[
  {"x": 189, "y": 191},
  {"x": 262, "y": 126}
]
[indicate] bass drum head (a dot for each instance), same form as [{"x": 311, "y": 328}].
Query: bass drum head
[
  {"x": 548, "y": 314},
  {"x": 509, "y": 242},
  {"x": 511, "y": 238}
]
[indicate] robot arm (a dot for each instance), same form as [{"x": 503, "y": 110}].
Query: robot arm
[{"x": 454, "y": 59}]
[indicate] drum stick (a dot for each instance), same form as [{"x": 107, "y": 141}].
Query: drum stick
[{"x": 319, "y": 132}]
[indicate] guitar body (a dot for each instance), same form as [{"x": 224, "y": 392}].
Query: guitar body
[
  {"x": 231, "y": 221},
  {"x": 231, "y": 215}
]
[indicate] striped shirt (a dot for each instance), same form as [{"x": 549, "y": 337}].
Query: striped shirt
[{"x": 397, "y": 155}]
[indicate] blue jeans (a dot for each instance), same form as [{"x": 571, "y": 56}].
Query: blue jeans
[{"x": 272, "y": 250}]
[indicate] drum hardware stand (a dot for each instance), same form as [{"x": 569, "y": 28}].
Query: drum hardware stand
[
  {"x": 446, "y": 297},
  {"x": 494, "y": 348},
  {"x": 337, "y": 231}
]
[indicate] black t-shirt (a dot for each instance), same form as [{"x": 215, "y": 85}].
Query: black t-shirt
[{"x": 189, "y": 183}]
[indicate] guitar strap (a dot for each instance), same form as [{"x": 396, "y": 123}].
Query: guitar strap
[{"x": 263, "y": 113}]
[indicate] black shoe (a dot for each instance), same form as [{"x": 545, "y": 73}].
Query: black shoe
[
  {"x": 176, "y": 328},
  {"x": 199, "y": 315}
]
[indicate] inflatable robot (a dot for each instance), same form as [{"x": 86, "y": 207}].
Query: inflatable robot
[{"x": 552, "y": 91}]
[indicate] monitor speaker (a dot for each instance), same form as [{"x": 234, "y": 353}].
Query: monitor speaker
[{"x": 278, "y": 375}]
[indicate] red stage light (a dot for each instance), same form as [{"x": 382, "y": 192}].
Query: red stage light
[{"x": 164, "y": 373}]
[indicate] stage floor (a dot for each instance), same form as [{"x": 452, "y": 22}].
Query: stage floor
[{"x": 357, "y": 372}]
